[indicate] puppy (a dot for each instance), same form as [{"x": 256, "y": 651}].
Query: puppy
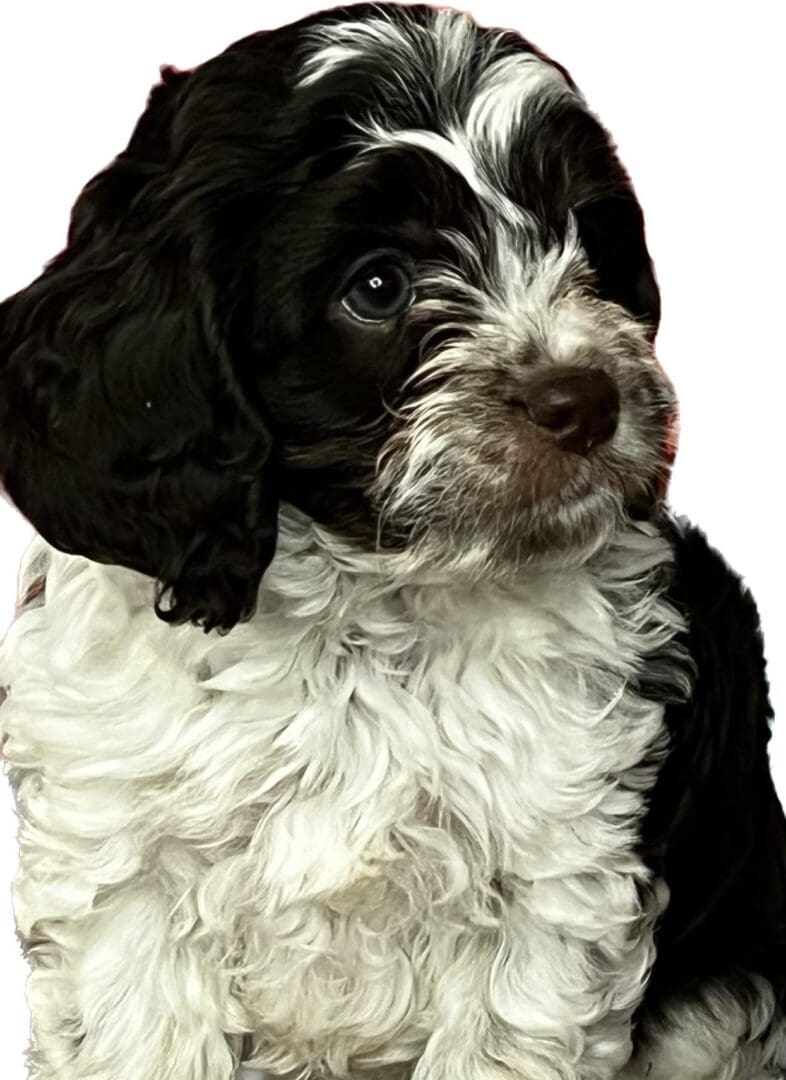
[{"x": 368, "y": 715}]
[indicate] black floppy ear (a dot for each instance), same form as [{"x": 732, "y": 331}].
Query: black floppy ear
[{"x": 125, "y": 435}]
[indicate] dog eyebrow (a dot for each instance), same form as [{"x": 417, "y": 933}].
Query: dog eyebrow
[
  {"x": 473, "y": 128},
  {"x": 455, "y": 150}
]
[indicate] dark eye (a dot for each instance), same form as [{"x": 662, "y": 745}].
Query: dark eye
[{"x": 378, "y": 292}]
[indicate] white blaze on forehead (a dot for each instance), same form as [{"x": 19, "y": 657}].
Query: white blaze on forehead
[
  {"x": 455, "y": 38},
  {"x": 534, "y": 295},
  {"x": 509, "y": 89},
  {"x": 454, "y": 150}
]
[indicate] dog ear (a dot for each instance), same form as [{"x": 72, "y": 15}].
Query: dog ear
[{"x": 125, "y": 433}]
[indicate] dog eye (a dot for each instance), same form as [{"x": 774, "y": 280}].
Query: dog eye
[{"x": 380, "y": 290}]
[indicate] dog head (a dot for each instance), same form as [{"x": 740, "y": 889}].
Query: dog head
[{"x": 383, "y": 264}]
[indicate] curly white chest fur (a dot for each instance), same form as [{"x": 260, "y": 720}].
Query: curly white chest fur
[{"x": 374, "y": 824}]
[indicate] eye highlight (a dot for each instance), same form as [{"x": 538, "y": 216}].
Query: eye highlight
[{"x": 380, "y": 289}]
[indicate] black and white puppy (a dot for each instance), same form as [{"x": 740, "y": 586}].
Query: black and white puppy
[{"x": 476, "y": 788}]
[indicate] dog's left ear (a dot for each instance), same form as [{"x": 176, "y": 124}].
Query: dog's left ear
[{"x": 126, "y": 433}]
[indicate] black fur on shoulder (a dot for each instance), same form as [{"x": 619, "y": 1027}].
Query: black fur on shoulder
[{"x": 715, "y": 829}]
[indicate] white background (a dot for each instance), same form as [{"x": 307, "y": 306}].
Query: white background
[{"x": 693, "y": 94}]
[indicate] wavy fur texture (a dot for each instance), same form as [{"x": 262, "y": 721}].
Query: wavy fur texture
[
  {"x": 343, "y": 828},
  {"x": 366, "y": 712}
]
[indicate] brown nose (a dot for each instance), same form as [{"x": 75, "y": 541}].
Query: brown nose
[{"x": 578, "y": 406}]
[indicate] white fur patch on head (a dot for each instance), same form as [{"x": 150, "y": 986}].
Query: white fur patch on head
[
  {"x": 478, "y": 123},
  {"x": 453, "y": 149},
  {"x": 512, "y": 91},
  {"x": 448, "y": 40},
  {"x": 341, "y": 43}
]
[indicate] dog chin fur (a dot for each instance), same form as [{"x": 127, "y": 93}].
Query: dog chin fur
[{"x": 393, "y": 824}]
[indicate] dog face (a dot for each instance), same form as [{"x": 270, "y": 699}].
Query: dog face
[{"x": 383, "y": 264}]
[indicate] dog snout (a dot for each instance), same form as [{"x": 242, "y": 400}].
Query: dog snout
[{"x": 578, "y": 407}]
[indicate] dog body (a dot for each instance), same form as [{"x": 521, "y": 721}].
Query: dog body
[{"x": 444, "y": 801}]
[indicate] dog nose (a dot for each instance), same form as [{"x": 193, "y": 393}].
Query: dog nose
[{"x": 580, "y": 407}]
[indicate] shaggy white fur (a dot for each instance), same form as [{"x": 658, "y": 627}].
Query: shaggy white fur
[{"x": 383, "y": 821}]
